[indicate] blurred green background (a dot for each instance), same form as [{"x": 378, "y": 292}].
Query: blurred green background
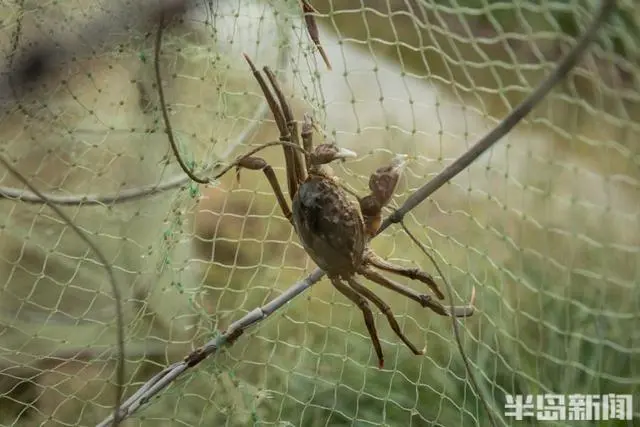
[{"x": 547, "y": 229}]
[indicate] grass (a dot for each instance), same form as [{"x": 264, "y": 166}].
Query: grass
[{"x": 545, "y": 230}]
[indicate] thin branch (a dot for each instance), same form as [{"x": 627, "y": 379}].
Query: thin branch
[
  {"x": 164, "y": 378},
  {"x": 95, "y": 199},
  {"x": 169, "y": 130},
  {"x": 163, "y": 108},
  {"x": 131, "y": 194},
  {"x": 120, "y": 367},
  {"x": 161, "y": 380},
  {"x": 309, "y": 13},
  {"x": 456, "y": 328}
]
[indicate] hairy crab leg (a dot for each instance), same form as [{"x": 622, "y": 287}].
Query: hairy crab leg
[
  {"x": 386, "y": 310},
  {"x": 410, "y": 273},
  {"x": 273, "y": 106},
  {"x": 281, "y": 122},
  {"x": 422, "y": 299},
  {"x": 363, "y": 305},
  {"x": 299, "y": 172},
  {"x": 378, "y": 278},
  {"x": 458, "y": 311},
  {"x": 256, "y": 163}
]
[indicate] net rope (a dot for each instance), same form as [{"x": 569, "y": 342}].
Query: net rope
[{"x": 545, "y": 226}]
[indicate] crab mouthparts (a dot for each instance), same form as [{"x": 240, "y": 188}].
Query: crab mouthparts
[{"x": 344, "y": 153}]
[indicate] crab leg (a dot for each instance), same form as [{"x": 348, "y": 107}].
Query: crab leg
[
  {"x": 386, "y": 310},
  {"x": 275, "y": 109},
  {"x": 283, "y": 128},
  {"x": 363, "y": 305},
  {"x": 410, "y": 273},
  {"x": 422, "y": 299},
  {"x": 256, "y": 163},
  {"x": 298, "y": 173}
]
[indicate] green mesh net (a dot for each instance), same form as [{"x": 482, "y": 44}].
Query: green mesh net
[{"x": 545, "y": 226}]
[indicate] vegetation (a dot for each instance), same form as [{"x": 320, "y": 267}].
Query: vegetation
[{"x": 546, "y": 230}]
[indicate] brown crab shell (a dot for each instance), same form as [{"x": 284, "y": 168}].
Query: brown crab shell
[{"x": 329, "y": 225}]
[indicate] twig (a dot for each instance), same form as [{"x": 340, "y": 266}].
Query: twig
[
  {"x": 163, "y": 379},
  {"x": 168, "y": 375},
  {"x": 127, "y": 195},
  {"x": 456, "y": 328},
  {"x": 120, "y": 367},
  {"x": 94, "y": 199},
  {"x": 312, "y": 29},
  {"x": 163, "y": 108}
]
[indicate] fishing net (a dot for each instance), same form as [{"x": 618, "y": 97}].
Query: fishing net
[{"x": 545, "y": 226}]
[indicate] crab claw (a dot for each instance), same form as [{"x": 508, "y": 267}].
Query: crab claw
[
  {"x": 384, "y": 180},
  {"x": 327, "y": 153}
]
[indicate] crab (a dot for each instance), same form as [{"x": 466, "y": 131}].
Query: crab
[{"x": 334, "y": 230}]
